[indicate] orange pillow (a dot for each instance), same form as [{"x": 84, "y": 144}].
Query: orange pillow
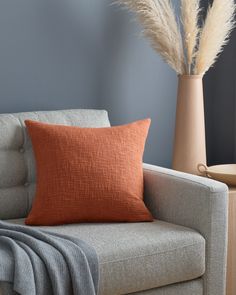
[{"x": 88, "y": 174}]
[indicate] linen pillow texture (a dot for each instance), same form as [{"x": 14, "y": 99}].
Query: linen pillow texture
[{"x": 88, "y": 174}]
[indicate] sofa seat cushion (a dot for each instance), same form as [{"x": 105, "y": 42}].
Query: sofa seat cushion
[{"x": 140, "y": 256}]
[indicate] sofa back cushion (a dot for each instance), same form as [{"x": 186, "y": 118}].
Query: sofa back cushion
[{"x": 17, "y": 165}]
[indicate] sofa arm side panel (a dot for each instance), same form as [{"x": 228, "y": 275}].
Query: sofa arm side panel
[{"x": 198, "y": 203}]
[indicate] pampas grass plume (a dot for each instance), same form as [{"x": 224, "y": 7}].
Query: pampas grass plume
[
  {"x": 215, "y": 33},
  {"x": 199, "y": 48},
  {"x": 189, "y": 16},
  {"x": 160, "y": 27}
]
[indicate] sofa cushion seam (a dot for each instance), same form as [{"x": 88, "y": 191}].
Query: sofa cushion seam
[{"x": 152, "y": 254}]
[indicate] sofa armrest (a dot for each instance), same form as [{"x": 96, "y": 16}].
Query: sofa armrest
[{"x": 198, "y": 203}]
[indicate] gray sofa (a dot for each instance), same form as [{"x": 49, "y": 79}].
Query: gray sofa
[{"x": 182, "y": 253}]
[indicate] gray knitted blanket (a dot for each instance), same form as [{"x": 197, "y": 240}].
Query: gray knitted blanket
[{"x": 39, "y": 262}]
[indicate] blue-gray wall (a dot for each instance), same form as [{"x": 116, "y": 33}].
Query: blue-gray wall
[{"x": 57, "y": 54}]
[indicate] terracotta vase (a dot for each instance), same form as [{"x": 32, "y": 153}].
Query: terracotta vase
[{"x": 190, "y": 143}]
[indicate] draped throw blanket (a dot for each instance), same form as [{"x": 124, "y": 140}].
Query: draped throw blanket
[{"x": 41, "y": 262}]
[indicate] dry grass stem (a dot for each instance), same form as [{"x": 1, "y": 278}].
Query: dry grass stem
[
  {"x": 215, "y": 33},
  {"x": 189, "y": 16}
]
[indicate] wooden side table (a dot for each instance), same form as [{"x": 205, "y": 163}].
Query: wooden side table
[{"x": 231, "y": 264}]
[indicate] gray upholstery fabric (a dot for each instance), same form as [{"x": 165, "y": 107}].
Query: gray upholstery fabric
[
  {"x": 140, "y": 256},
  {"x": 194, "y": 287},
  {"x": 6, "y": 289},
  {"x": 17, "y": 168},
  {"x": 198, "y": 203}
]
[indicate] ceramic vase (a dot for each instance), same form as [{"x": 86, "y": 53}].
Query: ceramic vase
[{"x": 189, "y": 143}]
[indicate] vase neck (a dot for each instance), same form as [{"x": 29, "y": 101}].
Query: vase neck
[{"x": 189, "y": 77}]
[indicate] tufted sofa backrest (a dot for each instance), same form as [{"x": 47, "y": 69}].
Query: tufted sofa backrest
[{"x": 17, "y": 166}]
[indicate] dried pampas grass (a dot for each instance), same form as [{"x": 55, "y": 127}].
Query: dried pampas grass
[
  {"x": 215, "y": 33},
  {"x": 160, "y": 27},
  {"x": 199, "y": 48},
  {"x": 189, "y": 15}
]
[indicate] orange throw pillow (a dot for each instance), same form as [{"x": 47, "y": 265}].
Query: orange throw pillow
[{"x": 88, "y": 174}]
